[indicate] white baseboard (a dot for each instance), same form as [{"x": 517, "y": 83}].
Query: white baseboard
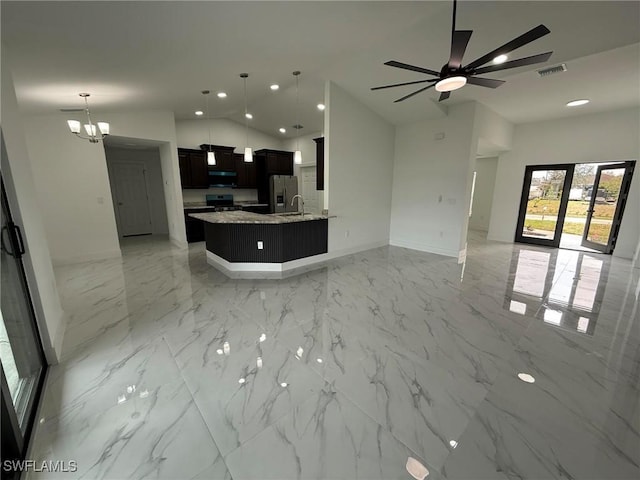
[
  {"x": 423, "y": 247},
  {"x": 89, "y": 257}
]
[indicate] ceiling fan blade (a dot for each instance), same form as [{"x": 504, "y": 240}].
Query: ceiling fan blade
[
  {"x": 414, "y": 93},
  {"x": 521, "y": 62},
  {"x": 444, "y": 96},
  {"x": 530, "y": 36},
  {"x": 485, "y": 82},
  {"x": 393, "y": 63},
  {"x": 403, "y": 84},
  {"x": 459, "y": 43}
]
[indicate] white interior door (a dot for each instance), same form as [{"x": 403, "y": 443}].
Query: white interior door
[
  {"x": 132, "y": 200},
  {"x": 309, "y": 192}
]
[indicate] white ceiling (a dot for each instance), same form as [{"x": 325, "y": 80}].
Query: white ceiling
[{"x": 161, "y": 55}]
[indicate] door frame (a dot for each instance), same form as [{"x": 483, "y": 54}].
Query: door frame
[
  {"x": 629, "y": 167},
  {"x": 15, "y": 437},
  {"x": 564, "y": 200}
]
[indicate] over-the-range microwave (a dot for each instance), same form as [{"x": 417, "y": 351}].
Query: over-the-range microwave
[{"x": 219, "y": 178}]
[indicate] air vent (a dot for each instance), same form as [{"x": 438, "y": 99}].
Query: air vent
[
  {"x": 297, "y": 127},
  {"x": 71, "y": 110},
  {"x": 544, "y": 72}
]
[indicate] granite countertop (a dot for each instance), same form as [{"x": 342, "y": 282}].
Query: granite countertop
[
  {"x": 238, "y": 216},
  {"x": 191, "y": 205}
]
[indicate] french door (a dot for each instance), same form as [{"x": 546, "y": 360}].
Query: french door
[
  {"x": 609, "y": 194},
  {"x": 21, "y": 356},
  {"x": 543, "y": 205}
]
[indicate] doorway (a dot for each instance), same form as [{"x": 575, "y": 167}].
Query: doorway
[
  {"x": 21, "y": 355},
  {"x": 309, "y": 192},
  {"x": 574, "y": 206},
  {"x": 131, "y": 198}
]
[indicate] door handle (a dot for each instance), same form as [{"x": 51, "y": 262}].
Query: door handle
[{"x": 15, "y": 239}]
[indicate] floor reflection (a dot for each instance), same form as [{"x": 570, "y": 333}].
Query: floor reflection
[{"x": 570, "y": 285}]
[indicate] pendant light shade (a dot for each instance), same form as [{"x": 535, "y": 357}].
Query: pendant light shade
[
  {"x": 248, "y": 153},
  {"x": 297, "y": 156},
  {"x": 211, "y": 156},
  {"x": 95, "y": 133}
]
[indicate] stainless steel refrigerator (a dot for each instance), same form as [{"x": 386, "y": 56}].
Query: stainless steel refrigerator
[{"x": 282, "y": 189}]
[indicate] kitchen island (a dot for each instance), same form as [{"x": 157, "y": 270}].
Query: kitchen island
[{"x": 253, "y": 245}]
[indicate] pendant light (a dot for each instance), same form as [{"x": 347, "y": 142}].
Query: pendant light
[
  {"x": 248, "y": 153},
  {"x": 94, "y": 133},
  {"x": 211, "y": 156},
  {"x": 297, "y": 156}
]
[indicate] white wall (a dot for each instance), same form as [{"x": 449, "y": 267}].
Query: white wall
[
  {"x": 599, "y": 137},
  {"x": 72, "y": 186},
  {"x": 432, "y": 182},
  {"x": 25, "y": 209},
  {"x": 153, "y": 175},
  {"x": 486, "y": 169},
  {"x": 193, "y": 133},
  {"x": 359, "y": 149}
]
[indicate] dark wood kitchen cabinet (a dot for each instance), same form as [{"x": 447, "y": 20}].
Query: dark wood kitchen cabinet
[
  {"x": 319, "y": 163},
  {"x": 224, "y": 157},
  {"x": 247, "y": 177},
  {"x": 193, "y": 168}
]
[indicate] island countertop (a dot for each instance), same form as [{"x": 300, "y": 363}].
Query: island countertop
[{"x": 239, "y": 216}]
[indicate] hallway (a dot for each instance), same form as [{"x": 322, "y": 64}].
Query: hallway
[{"x": 171, "y": 370}]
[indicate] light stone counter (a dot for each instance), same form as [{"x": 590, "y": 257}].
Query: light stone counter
[{"x": 239, "y": 216}]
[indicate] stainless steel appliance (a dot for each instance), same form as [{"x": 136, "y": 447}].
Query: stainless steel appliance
[
  {"x": 282, "y": 189},
  {"x": 221, "y": 202}
]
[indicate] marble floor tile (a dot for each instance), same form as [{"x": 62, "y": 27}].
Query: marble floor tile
[
  {"x": 326, "y": 437},
  {"x": 173, "y": 370}
]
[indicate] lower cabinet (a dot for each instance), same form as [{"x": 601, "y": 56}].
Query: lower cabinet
[{"x": 194, "y": 227}]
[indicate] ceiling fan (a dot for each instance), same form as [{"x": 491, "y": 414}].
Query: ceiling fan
[{"x": 454, "y": 74}]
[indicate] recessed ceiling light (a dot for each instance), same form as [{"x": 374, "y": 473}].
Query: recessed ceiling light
[
  {"x": 321, "y": 106},
  {"x": 284, "y": 384},
  {"x": 416, "y": 469},
  {"x": 274, "y": 87},
  {"x": 199, "y": 112},
  {"x": 453, "y": 443},
  {"x": 500, "y": 59},
  {"x": 241, "y": 380},
  {"x": 577, "y": 103},
  {"x": 319, "y": 360},
  {"x": 248, "y": 115},
  {"x": 222, "y": 95},
  {"x": 282, "y": 130},
  {"x": 525, "y": 377}
]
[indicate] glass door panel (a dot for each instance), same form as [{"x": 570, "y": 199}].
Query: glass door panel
[
  {"x": 607, "y": 199},
  {"x": 543, "y": 204}
]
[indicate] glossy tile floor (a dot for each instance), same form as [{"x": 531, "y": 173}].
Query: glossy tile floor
[{"x": 174, "y": 371}]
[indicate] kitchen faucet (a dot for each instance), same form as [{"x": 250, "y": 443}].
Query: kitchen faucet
[{"x": 301, "y": 201}]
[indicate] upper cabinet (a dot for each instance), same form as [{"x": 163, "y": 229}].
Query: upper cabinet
[
  {"x": 319, "y": 163},
  {"x": 246, "y": 172},
  {"x": 275, "y": 162},
  {"x": 193, "y": 168},
  {"x": 224, "y": 157}
]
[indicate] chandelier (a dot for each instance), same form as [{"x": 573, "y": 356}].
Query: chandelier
[{"x": 94, "y": 133}]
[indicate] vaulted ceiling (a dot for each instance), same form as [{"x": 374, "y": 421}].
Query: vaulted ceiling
[{"x": 160, "y": 55}]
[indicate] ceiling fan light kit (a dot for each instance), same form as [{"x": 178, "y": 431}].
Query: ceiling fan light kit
[{"x": 454, "y": 75}]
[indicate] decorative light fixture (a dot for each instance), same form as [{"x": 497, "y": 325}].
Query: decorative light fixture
[
  {"x": 248, "y": 153},
  {"x": 211, "y": 156},
  {"x": 297, "y": 156},
  {"x": 94, "y": 133},
  {"x": 451, "y": 83}
]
